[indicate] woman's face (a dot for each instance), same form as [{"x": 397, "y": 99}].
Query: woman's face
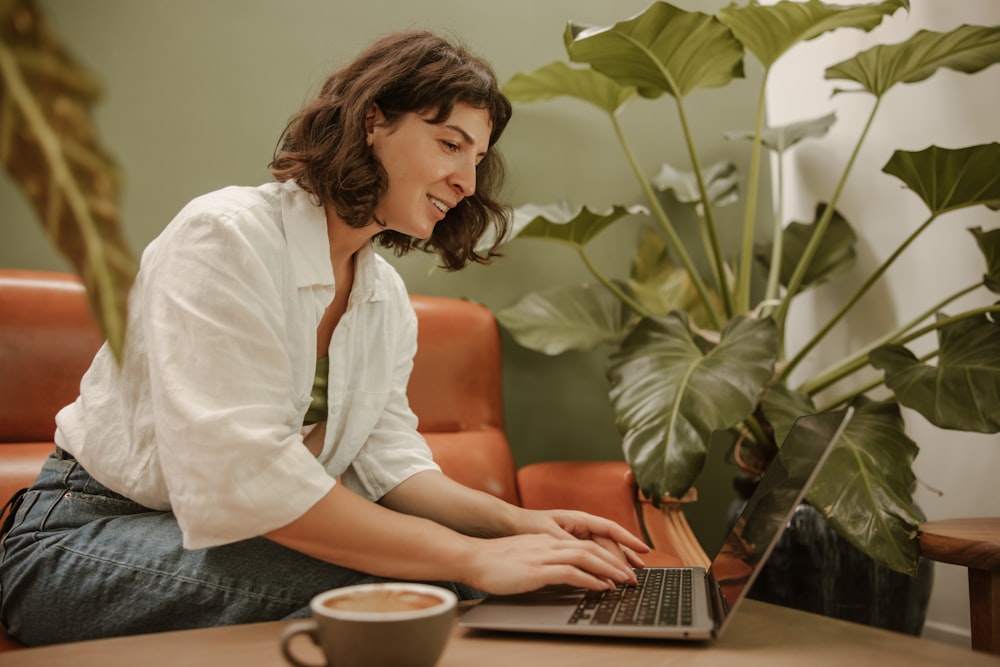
[{"x": 431, "y": 167}]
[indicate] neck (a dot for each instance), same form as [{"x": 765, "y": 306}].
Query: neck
[{"x": 345, "y": 240}]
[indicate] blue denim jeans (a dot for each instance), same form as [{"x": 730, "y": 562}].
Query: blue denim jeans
[{"x": 83, "y": 562}]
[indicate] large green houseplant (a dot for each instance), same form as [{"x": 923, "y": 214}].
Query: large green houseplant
[{"x": 694, "y": 354}]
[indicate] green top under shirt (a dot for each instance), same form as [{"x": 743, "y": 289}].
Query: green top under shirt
[{"x": 318, "y": 408}]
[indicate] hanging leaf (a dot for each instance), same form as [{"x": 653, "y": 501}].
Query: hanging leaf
[
  {"x": 963, "y": 390},
  {"x": 49, "y": 148},
  {"x": 781, "y": 138},
  {"x": 573, "y": 227},
  {"x": 670, "y": 390},
  {"x": 768, "y": 31},
  {"x": 659, "y": 285},
  {"x": 863, "y": 490},
  {"x": 950, "y": 178},
  {"x": 721, "y": 181},
  {"x": 553, "y": 321},
  {"x": 557, "y": 79},
  {"x": 662, "y": 50},
  {"x": 835, "y": 255},
  {"x": 989, "y": 243},
  {"x": 967, "y": 49}
]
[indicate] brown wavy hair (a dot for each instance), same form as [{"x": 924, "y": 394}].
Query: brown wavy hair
[{"x": 324, "y": 145}]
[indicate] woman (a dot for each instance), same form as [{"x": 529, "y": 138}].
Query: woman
[{"x": 186, "y": 489}]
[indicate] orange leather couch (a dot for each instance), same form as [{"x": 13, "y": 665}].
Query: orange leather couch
[{"x": 47, "y": 339}]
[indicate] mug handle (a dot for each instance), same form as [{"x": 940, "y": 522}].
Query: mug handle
[{"x": 307, "y": 627}]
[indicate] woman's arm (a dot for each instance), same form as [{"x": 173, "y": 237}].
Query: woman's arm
[
  {"x": 348, "y": 530},
  {"x": 435, "y": 496}
]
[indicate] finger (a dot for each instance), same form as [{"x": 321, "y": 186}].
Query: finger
[
  {"x": 633, "y": 558},
  {"x": 573, "y": 576},
  {"x": 611, "y": 547},
  {"x": 627, "y": 539},
  {"x": 621, "y": 554},
  {"x": 593, "y": 559},
  {"x": 595, "y": 525}
]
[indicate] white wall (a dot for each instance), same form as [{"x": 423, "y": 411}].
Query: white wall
[{"x": 949, "y": 110}]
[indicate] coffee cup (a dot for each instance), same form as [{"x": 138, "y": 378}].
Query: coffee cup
[{"x": 392, "y": 624}]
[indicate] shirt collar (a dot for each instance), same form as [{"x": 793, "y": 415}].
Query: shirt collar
[{"x": 305, "y": 230}]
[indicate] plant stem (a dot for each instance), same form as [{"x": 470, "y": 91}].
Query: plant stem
[
  {"x": 774, "y": 273},
  {"x": 742, "y": 289},
  {"x": 857, "y": 297},
  {"x": 608, "y": 283},
  {"x": 860, "y": 360},
  {"x": 821, "y": 225},
  {"x": 673, "y": 239},
  {"x": 878, "y": 382},
  {"x": 947, "y": 321},
  {"x": 753, "y": 425},
  {"x": 714, "y": 250}
]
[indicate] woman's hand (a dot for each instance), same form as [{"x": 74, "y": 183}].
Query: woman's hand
[
  {"x": 570, "y": 524},
  {"x": 566, "y": 555},
  {"x": 522, "y": 563}
]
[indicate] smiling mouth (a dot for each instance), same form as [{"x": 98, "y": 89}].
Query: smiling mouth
[{"x": 440, "y": 205}]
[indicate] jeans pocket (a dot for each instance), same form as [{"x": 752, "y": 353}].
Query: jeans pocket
[{"x": 76, "y": 508}]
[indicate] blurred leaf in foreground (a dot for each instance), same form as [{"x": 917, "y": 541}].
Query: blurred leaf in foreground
[{"x": 49, "y": 147}]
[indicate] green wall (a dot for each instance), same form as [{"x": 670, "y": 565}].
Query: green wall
[{"x": 196, "y": 93}]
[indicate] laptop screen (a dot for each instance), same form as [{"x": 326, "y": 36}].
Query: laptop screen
[{"x": 757, "y": 530}]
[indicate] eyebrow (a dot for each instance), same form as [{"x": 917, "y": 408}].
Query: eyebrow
[{"x": 465, "y": 135}]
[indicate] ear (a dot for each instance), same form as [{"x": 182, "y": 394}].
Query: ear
[{"x": 373, "y": 118}]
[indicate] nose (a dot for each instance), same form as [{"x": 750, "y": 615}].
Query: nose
[{"x": 463, "y": 179}]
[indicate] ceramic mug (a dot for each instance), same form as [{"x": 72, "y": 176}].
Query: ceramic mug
[{"x": 377, "y": 625}]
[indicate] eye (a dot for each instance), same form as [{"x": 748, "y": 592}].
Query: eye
[{"x": 449, "y": 146}]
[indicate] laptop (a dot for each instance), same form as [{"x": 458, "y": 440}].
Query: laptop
[{"x": 685, "y": 603}]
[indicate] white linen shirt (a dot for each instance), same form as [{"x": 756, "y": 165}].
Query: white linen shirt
[{"x": 204, "y": 415}]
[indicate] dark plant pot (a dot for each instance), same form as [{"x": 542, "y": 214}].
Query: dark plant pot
[{"x": 816, "y": 570}]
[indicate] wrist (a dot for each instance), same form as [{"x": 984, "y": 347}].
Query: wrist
[{"x": 466, "y": 559}]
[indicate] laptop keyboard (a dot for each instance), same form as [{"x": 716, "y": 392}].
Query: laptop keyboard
[{"x": 662, "y": 597}]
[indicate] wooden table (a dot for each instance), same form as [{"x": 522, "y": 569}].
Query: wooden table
[
  {"x": 974, "y": 543},
  {"x": 760, "y": 634}
]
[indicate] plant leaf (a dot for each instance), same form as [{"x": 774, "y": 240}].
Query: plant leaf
[
  {"x": 566, "y": 318},
  {"x": 950, "y": 178},
  {"x": 834, "y": 256},
  {"x": 49, "y": 148},
  {"x": 669, "y": 395},
  {"x": 787, "y": 475},
  {"x": 769, "y": 31},
  {"x": 575, "y": 228},
  {"x": 781, "y": 138},
  {"x": 662, "y": 50},
  {"x": 661, "y": 287},
  {"x": 863, "y": 489},
  {"x": 721, "y": 182},
  {"x": 557, "y": 79},
  {"x": 963, "y": 390},
  {"x": 782, "y": 406},
  {"x": 967, "y": 49},
  {"x": 989, "y": 243}
]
